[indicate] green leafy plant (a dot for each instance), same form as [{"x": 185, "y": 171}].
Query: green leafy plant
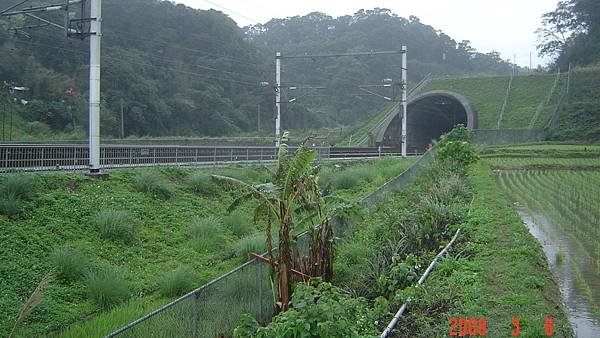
[
  {"x": 177, "y": 282},
  {"x": 154, "y": 184},
  {"x": 206, "y": 234},
  {"x": 318, "y": 309},
  {"x": 107, "y": 287},
  {"x": 115, "y": 225},
  {"x": 69, "y": 263},
  {"x": 292, "y": 197}
]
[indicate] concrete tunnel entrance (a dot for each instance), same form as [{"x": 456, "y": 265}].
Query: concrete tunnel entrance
[{"x": 429, "y": 116}]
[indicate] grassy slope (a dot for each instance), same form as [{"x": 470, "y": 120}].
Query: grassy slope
[
  {"x": 485, "y": 93},
  {"x": 501, "y": 273},
  {"x": 361, "y": 131},
  {"x": 526, "y": 95},
  {"x": 61, "y": 212},
  {"x": 580, "y": 120}
]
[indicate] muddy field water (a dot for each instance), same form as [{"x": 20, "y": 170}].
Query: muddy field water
[
  {"x": 562, "y": 211},
  {"x": 563, "y": 257}
]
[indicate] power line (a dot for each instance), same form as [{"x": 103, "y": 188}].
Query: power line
[{"x": 232, "y": 12}]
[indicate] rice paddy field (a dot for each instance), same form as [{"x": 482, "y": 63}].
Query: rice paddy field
[{"x": 558, "y": 198}]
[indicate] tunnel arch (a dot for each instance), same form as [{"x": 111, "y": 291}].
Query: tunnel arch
[{"x": 429, "y": 115}]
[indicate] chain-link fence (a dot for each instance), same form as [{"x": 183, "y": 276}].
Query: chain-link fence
[{"x": 508, "y": 136}]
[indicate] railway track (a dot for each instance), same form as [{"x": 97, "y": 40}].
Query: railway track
[{"x": 73, "y": 157}]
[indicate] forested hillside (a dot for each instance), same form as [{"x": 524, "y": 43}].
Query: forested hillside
[{"x": 177, "y": 71}]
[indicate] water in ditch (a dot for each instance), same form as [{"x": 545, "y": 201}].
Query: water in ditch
[{"x": 579, "y": 312}]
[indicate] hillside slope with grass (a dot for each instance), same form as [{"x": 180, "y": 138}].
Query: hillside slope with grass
[
  {"x": 528, "y": 94},
  {"x": 580, "y": 119},
  {"x": 125, "y": 245}
]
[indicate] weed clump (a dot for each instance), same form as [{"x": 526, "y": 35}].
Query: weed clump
[
  {"x": 153, "y": 184},
  {"x": 18, "y": 186},
  {"x": 201, "y": 183},
  {"x": 256, "y": 243},
  {"x": 69, "y": 263},
  {"x": 238, "y": 224},
  {"x": 206, "y": 234},
  {"x": 13, "y": 191},
  {"x": 115, "y": 225},
  {"x": 177, "y": 282},
  {"x": 107, "y": 287}
]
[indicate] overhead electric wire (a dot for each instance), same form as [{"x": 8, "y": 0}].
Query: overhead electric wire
[
  {"x": 232, "y": 12},
  {"x": 146, "y": 64},
  {"x": 163, "y": 42}
]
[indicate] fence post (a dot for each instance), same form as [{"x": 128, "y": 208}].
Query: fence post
[
  {"x": 215, "y": 156},
  {"x": 195, "y": 315},
  {"x": 176, "y": 156},
  {"x": 260, "y": 291}
]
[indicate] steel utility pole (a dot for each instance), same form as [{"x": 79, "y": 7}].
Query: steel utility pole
[
  {"x": 94, "y": 119},
  {"x": 75, "y": 28},
  {"x": 258, "y": 113},
  {"x": 277, "y": 97},
  {"x": 403, "y": 104}
]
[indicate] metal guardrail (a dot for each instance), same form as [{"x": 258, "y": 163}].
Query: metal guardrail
[{"x": 69, "y": 157}]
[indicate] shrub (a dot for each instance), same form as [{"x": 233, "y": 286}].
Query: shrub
[
  {"x": 255, "y": 243},
  {"x": 177, "y": 282},
  {"x": 69, "y": 263},
  {"x": 18, "y": 187},
  {"x": 201, "y": 183},
  {"x": 318, "y": 310},
  {"x": 116, "y": 225},
  {"x": 206, "y": 234},
  {"x": 107, "y": 287},
  {"x": 238, "y": 224},
  {"x": 153, "y": 184}
]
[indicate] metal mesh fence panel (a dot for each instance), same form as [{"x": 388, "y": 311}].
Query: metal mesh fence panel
[
  {"x": 213, "y": 310},
  {"x": 508, "y": 136}
]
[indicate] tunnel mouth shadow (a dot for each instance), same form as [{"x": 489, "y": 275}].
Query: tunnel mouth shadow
[{"x": 429, "y": 116}]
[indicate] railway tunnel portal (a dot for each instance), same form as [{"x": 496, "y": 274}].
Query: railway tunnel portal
[{"x": 429, "y": 115}]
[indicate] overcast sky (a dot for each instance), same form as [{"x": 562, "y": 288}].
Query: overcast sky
[{"x": 505, "y": 26}]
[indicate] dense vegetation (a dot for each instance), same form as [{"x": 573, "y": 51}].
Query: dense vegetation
[
  {"x": 376, "y": 268},
  {"x": 580, "y": 119},
  {"x": 571, "y": 33},
  {"x": 141, "y": 235},
  {"x": 199, "y": 74}
]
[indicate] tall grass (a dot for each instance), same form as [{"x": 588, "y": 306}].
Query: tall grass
[
  {"x": 238, "y": 223},
  {"x": 69, "y": 263},
  {"x": 177, "y": 282},
  {"x": 107, "y": 287},
  {"x": 13, "y": 190},
  {"x": 201, "y": 183},
  {"x": 206, "y": 234},
  {"x": 115, "y": 225},
  {"x": 153, "y": 184},
  {"x": 256, "y": 243},
  {"x": 18, "y": 186},
  {"x": 36, "y": 297}
]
